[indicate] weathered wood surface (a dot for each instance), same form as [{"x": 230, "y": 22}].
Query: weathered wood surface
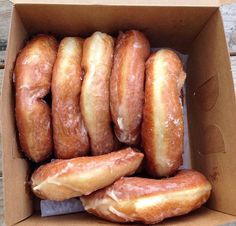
[
  {"x": 228, "y": 12},
  {"x": 5, "y": 12},
  {"x": 229, "y": 17}
]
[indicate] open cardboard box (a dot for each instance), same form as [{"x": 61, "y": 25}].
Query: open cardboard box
[{"x": 192, "y": 27}]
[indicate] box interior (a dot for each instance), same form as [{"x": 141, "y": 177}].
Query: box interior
[{"x": 197, "y": 31}]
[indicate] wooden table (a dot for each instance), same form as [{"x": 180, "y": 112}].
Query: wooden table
[{"x": 229, "y": 18}]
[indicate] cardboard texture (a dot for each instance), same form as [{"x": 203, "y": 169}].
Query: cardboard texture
[
  {"x": 201, "y": 217},
  {"x": 196, "y": 30},
  {"x": 212, "y": 115},
  {"x": 176, "y": 32}
]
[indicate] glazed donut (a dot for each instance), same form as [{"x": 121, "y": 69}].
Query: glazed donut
[
  {"x": 64, "y": 179},
  {"x": 33, "y": 72},
  {"x": 97, "y": 63},
  {"x": 127, "y": 85},
  {"x": 135, "y": 199},
  {"x": 163, "y": 126},
  {"x": 69, "y": 133}
]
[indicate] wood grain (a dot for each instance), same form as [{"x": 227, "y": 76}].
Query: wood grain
[
  {"x": 5, "y": 12},
  {"x": 228, "y": 12}
]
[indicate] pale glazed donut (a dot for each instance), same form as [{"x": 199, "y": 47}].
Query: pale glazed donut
[
  {"x": 33, "y": 73},
  {"x": 135, "y": 199},
  {"x": 64, "y": 179},
  {"x": 97, "y": 63},
  {"x": 69, "y": 133},
  {"x": 127, "y": 85},
  {"x": 163, "y": 126}
]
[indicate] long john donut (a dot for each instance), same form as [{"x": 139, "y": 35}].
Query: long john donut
[
  {"x": 134, "y": 199},
  {"x": 127, "y": 85},
  {"x": 97, "y": 63},
  {"x": 162, "y": 127},
  {"x": 33, "y": 73},
  {"x": 64, "y": 179},
  {"x": 69, "y": 133}
]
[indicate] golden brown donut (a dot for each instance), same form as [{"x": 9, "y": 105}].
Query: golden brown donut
[
  {"x": 135, "y": 199},
  {"x": 33, "y": 72},
  {"x": 69, "y": 133},
  {"x": 64, "y": 179},
  {"x": 162, "y": 127},
  {"x": 127, "y": 85},
  {"x": 97, "y": 62}
]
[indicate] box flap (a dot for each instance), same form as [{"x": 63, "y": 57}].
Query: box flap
[{"x": 210, "y": 3}]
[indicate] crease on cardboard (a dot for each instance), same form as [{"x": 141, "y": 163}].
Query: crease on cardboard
[
  {"x": 207, "y": 93},
  {"x": 212, "y": 140}
]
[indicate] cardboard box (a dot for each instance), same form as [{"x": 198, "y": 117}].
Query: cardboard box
[{"x": 192, "y": 27}]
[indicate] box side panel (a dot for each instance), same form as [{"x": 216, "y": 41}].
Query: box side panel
[
  {"x": 173, "y": 27},
  {"x": 17, "y": 202},
  {"x": 202, "y": 217},
  {"x": 212, "y": 114}
]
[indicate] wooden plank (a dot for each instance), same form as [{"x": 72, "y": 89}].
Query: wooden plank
[
  {"x": 228, "y": 12},
  {"x": 2, "y": 57},
  {"x": 5, "y": 12}
]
